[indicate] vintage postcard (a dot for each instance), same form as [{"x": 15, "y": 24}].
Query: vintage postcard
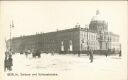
[{"x": 63, "y": 40}]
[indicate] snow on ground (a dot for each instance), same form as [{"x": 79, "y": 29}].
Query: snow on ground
[{"x": 68, "y": 67}]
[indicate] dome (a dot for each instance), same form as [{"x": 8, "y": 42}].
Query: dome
[
  {"x": 98, "y": 23},
  {"x": 98, "y": 17}
]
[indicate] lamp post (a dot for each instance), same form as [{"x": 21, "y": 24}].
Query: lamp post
[
  {"x": 101, "y": 39},
  {"x": 107, "y": 41},
  {"x": 110, "y": 44},
  {"x": 87, "y": 41},
  {"x": 11, "y": 26}
]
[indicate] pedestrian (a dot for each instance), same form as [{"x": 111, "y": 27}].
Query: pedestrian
[
  {"x": 91, "y": 56},
  {"x": 6, "y": 63},
  {"x": 38, "y": 53},
  {"x": 106, "y": 53},
  {"x": 10, "y": 62},
  {"x": 6, "y": 53},
  {"x": 120, "y": 54},
  {"x": 21, "y": 52},
  {"x": 26, "y": 53},
  {"x": 78, "y": 53},
  {"x": 34, "y": 53}
]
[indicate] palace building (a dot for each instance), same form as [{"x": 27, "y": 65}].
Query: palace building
[{"x": 77, "y": 39}]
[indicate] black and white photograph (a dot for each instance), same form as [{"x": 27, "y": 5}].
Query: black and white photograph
[{"x": 63, "y": 40}]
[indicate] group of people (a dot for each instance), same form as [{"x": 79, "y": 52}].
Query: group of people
[
  {"x": 90, "y": 53},
  {"x": 8, "y": 61},
  {"x": 35, "y": 53}
]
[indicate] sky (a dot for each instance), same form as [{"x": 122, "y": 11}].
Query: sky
[{"x": 30, "y": 17}]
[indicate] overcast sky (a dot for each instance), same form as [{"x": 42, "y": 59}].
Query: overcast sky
[{"x": 30, "y": 17}]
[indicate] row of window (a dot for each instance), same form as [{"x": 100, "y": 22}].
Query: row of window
[{"x": 89, "y": 36}]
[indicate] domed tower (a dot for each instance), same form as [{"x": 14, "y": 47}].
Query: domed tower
[{"x": 98, "y": 23}]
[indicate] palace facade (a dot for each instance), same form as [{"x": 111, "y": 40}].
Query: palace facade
[{"x": 96, "y": 37}]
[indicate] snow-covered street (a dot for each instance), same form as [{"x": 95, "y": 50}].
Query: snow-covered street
[{"x": 68, "y": 67}]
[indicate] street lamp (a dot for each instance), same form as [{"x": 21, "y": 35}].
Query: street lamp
[{"x": 11, "y": 27}]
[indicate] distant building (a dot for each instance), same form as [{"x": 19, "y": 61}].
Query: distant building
[{"x": 77, "y": 39}]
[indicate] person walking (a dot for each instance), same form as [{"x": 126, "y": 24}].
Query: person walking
[
  {"x": 91, "y": 56},
  {"x": 34, "y": 53},
  {"x": 106, "y": 53},
  {"x": 120, "y": 54},
  {"x": 26, "y": 53},
  {"x": 38, "y": 53},
  {"x": 6, "y": 63},
  {"x": 78, "y": 53},
  {"x": 10, "y": 64}
]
